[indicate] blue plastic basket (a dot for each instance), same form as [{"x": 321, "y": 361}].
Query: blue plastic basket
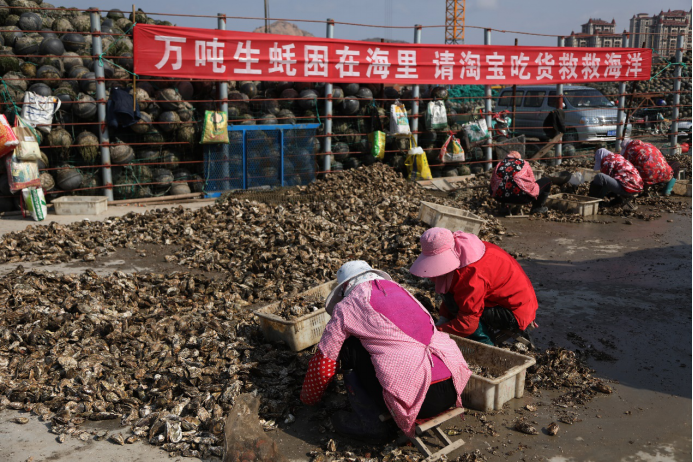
[{"x": 261, "y": 155}]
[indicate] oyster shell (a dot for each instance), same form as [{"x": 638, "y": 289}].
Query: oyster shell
[
  {"x": 552, "y": 429},
  {"x": 525, "y": 427}
]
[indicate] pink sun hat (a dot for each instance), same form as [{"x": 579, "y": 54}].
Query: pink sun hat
[{"x": 443, "y": 252}]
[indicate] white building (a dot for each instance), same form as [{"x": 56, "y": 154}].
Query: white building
[
  {"x": 661, "y": 31},
  {"x": 596, "y": 33}
]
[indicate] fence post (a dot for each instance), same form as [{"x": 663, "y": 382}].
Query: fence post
[
  {"x": 512, "y": 130},
  {"x": 326, "y": 164},
  {"x": 674, "y": 130},
  {"x": 223, "y": 94},
  {"x": 559, "y": 94},
  {"x": 487, "y": 105},
  {"x": 223, "y": 85},
  {"x": 415, "y": 93},
  {"x": 95, "y": 17},
  {"x": 621, "y": 128},
  {"x": 281, "y": 158}
]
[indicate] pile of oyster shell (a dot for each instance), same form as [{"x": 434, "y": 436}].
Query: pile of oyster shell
[
  {"x": 300, "y": 305},
  {"x": 562, "y": 369},
  {"x": 167, "y": 354}
]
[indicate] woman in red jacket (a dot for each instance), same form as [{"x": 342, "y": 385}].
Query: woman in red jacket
[
  {"x": 484, "y": 289},
  {"x": 617, "y": 177},
  {"x": 651, "y": 164}
]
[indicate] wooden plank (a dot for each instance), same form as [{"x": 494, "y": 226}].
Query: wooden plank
[
  {"x": 442, "y": 184},
  {"x": 445, "y": 451},
  {"x": 421, "y": 446},
  {"x": 460, "y": 178},
  {"x": 438, "y": 420},
  {"x": 449, "y": 179},
  {"x": 442, "y": 436},
  {"x": 549, "y": 145},
  {"x": 156, "y": 199},
  {"x": 174, "y": 202}
]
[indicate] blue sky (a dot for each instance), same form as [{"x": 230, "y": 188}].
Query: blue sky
[{"x": 538, "y": 16}]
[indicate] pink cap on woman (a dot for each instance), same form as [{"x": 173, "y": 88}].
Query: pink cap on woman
[{"x": 443, "y": 252}]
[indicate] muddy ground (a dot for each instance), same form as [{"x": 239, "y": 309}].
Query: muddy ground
[{"x": 617, "y": 293}]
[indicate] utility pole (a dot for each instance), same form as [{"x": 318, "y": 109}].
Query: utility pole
[{"x": 267, "y": 29}]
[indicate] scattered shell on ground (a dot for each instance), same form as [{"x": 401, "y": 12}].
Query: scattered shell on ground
[
  {"x": 525, "y": 427},
  {"x": 603, "y": 388},
  {"x": 552, "y": 428}
]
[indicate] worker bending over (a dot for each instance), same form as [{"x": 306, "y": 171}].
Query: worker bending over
[
  {"x": 399, "y": 362},
  {"x": 513, "y": 183},
  {"x": 655, "y": 171},
  {"x": 485, "y": 290},
  {"x": 617, "y": 178}
]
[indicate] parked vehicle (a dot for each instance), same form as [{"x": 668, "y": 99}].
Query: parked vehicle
[{"x": 589, "y": 115}]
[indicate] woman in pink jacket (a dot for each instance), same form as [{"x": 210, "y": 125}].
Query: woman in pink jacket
[{"x": 400, "y": 364}]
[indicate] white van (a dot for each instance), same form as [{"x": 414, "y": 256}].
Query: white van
[{"x": 589, "y": 115}]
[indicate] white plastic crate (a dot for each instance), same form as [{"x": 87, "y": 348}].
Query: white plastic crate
[
  {"x": 588, "y": 174},
  {"x": 572, "y": 203},
  {"x": 80, "y": 205},
  {"x": 682, "y": 188},
  {"x": 299, "y": 333},
  {"x": 510, "y": 369},
  {"x": 442, "y": 216}
]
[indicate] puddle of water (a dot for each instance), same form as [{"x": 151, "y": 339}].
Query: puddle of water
[
  {"x": 666, "y": 455},
  {"x": 597, "y": 246},
  {"x": 114, "y": 262}
]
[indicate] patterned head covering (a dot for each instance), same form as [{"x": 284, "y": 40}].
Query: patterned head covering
[
  {"x": 624, "y": 145},
  {"x": 599, "y": 155},
  {"x": 513, "y": 155}
]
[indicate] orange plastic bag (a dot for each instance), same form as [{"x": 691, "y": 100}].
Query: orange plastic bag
[{"x": 8, "y": 140}]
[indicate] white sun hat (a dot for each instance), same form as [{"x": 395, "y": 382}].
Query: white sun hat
[{"x": 346, "y": 273}]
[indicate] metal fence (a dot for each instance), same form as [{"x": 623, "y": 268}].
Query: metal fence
[{"x": 262, "y": 152}]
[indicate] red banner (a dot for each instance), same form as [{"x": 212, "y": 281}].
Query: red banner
[{"x": 165, "y": 51}]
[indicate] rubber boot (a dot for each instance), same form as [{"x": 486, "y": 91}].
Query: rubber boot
[
  {"x": 364, "y": 422},
  {"x": 615, "y": 202},
  {"x": 539, "y": 210},
  {"x": 669, "y": 187},
  {"x": 482, "y": 334},
  {"x": 629, "y": 204}
]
